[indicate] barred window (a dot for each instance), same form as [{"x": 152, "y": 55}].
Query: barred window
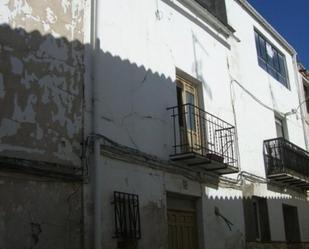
[{"x": 271, "y": 59}]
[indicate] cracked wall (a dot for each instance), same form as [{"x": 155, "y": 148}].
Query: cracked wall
[
  {"x": 39, "y": 213},
  {"x": 41, "y": 80}
]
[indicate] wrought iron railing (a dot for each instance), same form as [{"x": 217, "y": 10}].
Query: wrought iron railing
[
  {"x": 282, "y": 156},
  {"x": 197, "y": 131}
]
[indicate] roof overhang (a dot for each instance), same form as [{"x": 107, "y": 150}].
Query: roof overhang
[{"x": 261, "y": 20}]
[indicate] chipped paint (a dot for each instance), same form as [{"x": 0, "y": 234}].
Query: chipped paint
[
  {"x": 65, "y": 5},
  {"x": 42, "y": 85},
  {"x": 8, "y": 127},
  {"x": 5, "y": 11},
  {"x": 29, "y": 219},
  {"x": 50, "y": 16},
  {"x": 17, "y": 65},
  {"x": 27, "y": 114}
]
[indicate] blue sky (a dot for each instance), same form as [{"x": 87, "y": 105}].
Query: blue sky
[{"x": 291, "y": 19}]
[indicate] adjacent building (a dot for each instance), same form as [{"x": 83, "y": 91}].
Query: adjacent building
[{"x": 41, "y": 124}]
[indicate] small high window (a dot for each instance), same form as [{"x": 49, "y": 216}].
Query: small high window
[
  {"x": 271, "y": 59},
  {"x": 280, "y": 127},
  {"x": 215, "y": 7}
]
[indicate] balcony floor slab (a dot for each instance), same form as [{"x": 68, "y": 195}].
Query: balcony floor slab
[{"x": 203, "y": 163}]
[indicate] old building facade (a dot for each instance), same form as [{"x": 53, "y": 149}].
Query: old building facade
[
  {"x": 41, "y": 123},
  {"x": 149, "y": 124},
  {"x": 194, "y": 118}
]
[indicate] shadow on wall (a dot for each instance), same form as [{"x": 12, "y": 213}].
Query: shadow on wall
[
  {"x": 42, "y": 100},
  {"x": 41, "y": 116},
  {"x": 132, "y": 103},
  {"x": 41, "y": 96},
  {"x": 39, "y": 213},
  {"x": 43, "y": 91}
]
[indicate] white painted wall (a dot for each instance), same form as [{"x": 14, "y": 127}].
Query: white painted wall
[
  {"x": 254, "y": 120},
  {"x": 136, "y": 63}
]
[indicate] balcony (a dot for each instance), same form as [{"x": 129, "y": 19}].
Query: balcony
[
  {"x": 286, "y": 163},
  {"x": 202, "y": 140}
]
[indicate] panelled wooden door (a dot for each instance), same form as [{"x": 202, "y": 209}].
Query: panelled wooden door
[
  {"x": 189, "y": 119},
  {"x": 182, "y": 230}
]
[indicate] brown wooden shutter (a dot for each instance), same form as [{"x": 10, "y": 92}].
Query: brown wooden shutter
[
  {"x": 249, "y": 219},
  {"x": 291, "y": 223},
  {"x": 265, "y": 229}
]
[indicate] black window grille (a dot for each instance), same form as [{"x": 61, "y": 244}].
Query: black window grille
[
  {"x": 271, "y": 59},
  {"x": 127, "y": 216}
]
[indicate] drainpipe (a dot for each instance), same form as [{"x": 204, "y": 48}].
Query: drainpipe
[
  {"x": 298, "y": 85},
  {"x": 96, "y": 142}
]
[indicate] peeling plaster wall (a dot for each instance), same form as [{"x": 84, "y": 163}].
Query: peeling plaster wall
[
  {"x": 41, "y": 80},
  {"x": 42, "y": 72},
  {"x": 39, "y": 213}
]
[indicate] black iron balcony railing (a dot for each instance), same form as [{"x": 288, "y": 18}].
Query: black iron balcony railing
[
  {"x": 286, "y": 161},
  {"x": 200, "y": 133}
]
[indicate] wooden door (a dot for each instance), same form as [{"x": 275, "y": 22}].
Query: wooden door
[
  {"x": 182, "y": 230},
  {"x": 189, "y": 115}
]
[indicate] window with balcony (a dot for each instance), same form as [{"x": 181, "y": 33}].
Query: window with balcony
[
  {"x": 271, "y": 59},
  {"x": 200, "y": 139},
  {"x": 286, "y": 163}
]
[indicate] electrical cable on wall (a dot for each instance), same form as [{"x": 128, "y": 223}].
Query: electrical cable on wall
[
  {"x": 294, "y": 111},
  {"x": 254, "y": 97}
]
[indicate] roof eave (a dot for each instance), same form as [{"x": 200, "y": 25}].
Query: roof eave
[{"x": 261, "y": 20}]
